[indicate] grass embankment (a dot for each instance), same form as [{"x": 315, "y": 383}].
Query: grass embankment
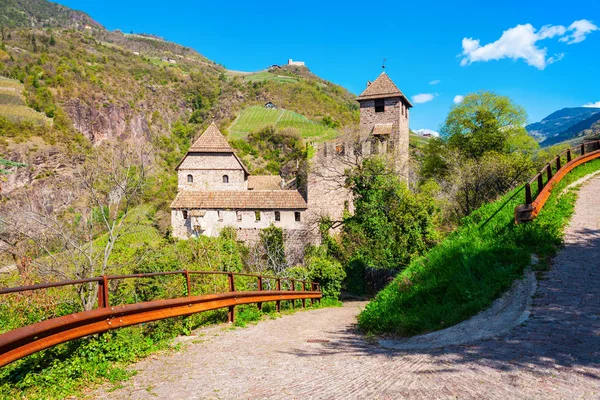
[
  {"x": 255, "y": 118},
  {"x": 465, "y": 273}
]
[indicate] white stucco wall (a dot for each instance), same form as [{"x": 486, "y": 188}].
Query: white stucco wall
[{"x": 215, "y": 220}]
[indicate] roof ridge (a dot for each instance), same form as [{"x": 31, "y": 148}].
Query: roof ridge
[
  {"x": 211, "y": 141},
  {"x": 382, "y": 87}
]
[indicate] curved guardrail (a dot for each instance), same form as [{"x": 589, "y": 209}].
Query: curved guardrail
[
  {"x": 555, "y": 170},
  {"x": 32, "y": 338}
]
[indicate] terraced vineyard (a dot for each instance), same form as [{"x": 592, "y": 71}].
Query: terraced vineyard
[
  {"x": 12, "y": 104},
  {"x": 255, "y": 118}
]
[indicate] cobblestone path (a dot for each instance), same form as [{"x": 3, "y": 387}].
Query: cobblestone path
[{"x": 317, "y": 354}]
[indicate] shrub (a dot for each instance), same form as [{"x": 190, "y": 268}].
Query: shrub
[{"x": 328, "y": 273}]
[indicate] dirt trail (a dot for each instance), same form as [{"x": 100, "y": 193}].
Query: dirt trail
[{"x": 555, "y": 354}]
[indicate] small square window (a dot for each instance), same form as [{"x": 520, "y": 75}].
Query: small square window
[
  {"x": 238, "y": 214},
  {"x": 184, "y": 213},
  {"x": 297, "y": 216},
  {"x": 257, "y": 215},
  {"x": 277, "y": 216},
  {"x": 220, "y": 214},
  {"x": 379, "y": 105}
]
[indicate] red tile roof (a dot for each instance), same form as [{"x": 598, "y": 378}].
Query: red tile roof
[
  {"x": 264, "y": 182},
  {"x": 211, "y": 141},
  {"x": 382, "y": 88},
  {"x": 240, "y": 200},
  {"x": 382, "y": 129}
]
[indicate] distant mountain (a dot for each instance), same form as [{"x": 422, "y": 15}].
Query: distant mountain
[{"x": 564, "y": 124}]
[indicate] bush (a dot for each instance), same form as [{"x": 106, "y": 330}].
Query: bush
[{"x": 328, "y": 273}]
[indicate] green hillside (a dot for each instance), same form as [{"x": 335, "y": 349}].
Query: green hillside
[{"x": 255, "y": 118}]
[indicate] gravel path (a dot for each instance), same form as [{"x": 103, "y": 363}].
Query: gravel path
[{"x": 555, "y": 354}]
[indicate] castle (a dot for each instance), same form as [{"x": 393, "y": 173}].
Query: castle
[{"x": 216, "y": 190}]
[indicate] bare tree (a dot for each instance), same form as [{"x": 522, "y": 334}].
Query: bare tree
[{"x": 77, "y": 241}]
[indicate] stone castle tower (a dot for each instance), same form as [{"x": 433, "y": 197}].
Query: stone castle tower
[
  {"x": 384, "y": 114},
  {"x": 384, "y": 129}
]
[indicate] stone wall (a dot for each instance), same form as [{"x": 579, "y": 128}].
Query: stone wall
[
  {"x": 207, "y": 171},
  {"x": 396, "y": 112}
]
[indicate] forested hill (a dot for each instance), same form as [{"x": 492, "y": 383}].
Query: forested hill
[
  {"x": 564, "y": 124},
  {"x": 67, "y": 83}
]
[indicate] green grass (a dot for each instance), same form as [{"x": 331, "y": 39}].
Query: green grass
[
  {"x": 417, "y": 141},
  {"x": 465, "y": 273},
  {"x": 12, "y": 105},
  {"x": 268, "y": 76},
  {"x": 256, "y": 118}
]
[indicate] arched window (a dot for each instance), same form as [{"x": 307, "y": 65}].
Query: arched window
[
  {"x": 225, "y": 179},
  {"x": 190, "y": 179}
]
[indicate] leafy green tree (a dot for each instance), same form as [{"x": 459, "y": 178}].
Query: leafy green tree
[
  {"x": 484, "y": 151},
  {"x": 390, "y": 224},
  {"x": 484, "y": 122}
]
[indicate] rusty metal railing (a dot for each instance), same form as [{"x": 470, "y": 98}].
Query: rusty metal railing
[
  {"x": 554, "y": 171},
  {"x": 38, "y": 336}
]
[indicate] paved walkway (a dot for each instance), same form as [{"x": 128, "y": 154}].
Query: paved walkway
[{"x": 317, "y": 354}]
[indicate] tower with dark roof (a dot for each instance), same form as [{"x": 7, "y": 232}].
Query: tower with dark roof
[{"x": 384, "y": 114}]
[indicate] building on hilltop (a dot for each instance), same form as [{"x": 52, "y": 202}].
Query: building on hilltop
[
  {"x": 216, "y": 190},
  {"x": 296, "y": 63}
]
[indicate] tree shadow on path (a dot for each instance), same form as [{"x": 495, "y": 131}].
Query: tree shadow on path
[{"x": 562, "y": 332}]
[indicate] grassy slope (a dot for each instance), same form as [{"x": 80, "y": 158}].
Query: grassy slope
[
  {"x": 12, "y": 104},
  {"x": 473, "y": 266},
  {"x": 255, "y": 118}
]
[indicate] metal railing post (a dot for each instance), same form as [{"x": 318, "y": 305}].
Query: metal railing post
[
  {"x": 103, "y": 301},
  {"x": 293, "y": 288},
  {"x": 278, "y": 302},
  {"x": 231, "y": 312},
  {"x": 304, "y": 290},
  {"x": 568, "y": 155},
  {"x": 549, "y": 171},
  {"x": 528, "y": 198},
  {"x": 582, "y": 149},
  {"x": 186, "y": 274},
  {"x": 557, "y": 162},
  {"x": 260, "y": 284},
  {"x": 540, "y": 183}
]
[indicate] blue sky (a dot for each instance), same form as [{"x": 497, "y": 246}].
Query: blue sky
[{"x": 423, "y": 42}]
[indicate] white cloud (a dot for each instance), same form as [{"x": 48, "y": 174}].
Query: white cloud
[
  {"x": 423, "y": 97},
  {"x": 580, "y": 30},
  {"x": 593, "y": 105},
  {"x": 458, "y": 99},
  {"x": 434, "y": 82},
  {"x": 521, "y": 42}
]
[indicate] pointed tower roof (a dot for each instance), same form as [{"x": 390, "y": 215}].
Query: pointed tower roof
[
  {"x": 211, "y": 141},
  {"x": 382, "y": 88}
]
